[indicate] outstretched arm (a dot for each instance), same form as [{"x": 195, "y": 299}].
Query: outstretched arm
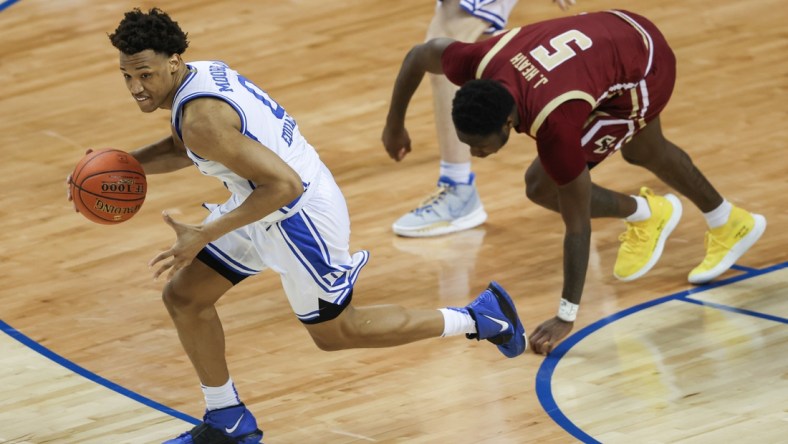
[
  {"x": 421, "y": 59},
  {"x": 560, "y": 153},
  {"x": 574, "y": 200}
]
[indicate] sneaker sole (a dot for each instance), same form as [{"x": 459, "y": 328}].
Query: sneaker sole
[
  {"x": 518, "y": 339},
  {"x": 736, "y": 252},
  {"x": 472, "y": 220},
  {"x": 672, "y": 223}
]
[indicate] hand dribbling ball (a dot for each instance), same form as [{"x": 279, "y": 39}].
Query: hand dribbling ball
[{"x": 108, "y": 186}]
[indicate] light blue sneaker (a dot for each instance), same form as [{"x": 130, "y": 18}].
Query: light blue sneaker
[
  {"x": 452, "y": 207},
  {"x": 230, "y": 425},
  {"x": 497, "y": 321}
]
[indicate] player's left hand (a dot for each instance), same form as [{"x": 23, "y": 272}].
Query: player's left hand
[
  {"x": 190, "y": 240},
  {"x": 547, "y": 335}
]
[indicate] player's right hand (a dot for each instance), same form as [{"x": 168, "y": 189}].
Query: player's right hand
[
  {"x": 68, "y": 189},
  {"x": 548, "y": 334},
  {"x": 68, "y": 183},
  {"x": 396, "y": 140}
]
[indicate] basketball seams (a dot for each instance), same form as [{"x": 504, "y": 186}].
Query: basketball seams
[
  {"x": 98, "y": 154},
  {"x": 107, "y": 207}
]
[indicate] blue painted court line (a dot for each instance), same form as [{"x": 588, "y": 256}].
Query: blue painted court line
[
  {"x": 57, "y": 359},
  {"x": 545, "y": 374},
  {"x": 743, "y": 268},
  {"x": 735, "y": 310},
  {"x": 6, "y": 4}
]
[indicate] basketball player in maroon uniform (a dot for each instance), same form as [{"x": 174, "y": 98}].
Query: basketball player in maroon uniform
[{"x": 583, "y": 87}]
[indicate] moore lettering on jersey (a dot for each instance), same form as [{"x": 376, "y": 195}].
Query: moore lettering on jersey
[{"x": 219, "y": 75}]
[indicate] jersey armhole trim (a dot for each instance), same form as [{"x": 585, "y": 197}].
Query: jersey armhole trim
[
  {"x": 553, "y": 104},
  {"x": 494, "y": 50},
  {"x": 201, "y": 94}
]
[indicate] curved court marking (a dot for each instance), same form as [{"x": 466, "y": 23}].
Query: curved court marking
[
  {"x": 545, "y": 373},
  {"x": 63, "y": 362},
  {"x": 6, "y": 4}
]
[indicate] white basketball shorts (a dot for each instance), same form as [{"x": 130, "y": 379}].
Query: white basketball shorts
[
  {"x": 495, "y": 12},
  {"x": 309, "y": 250}
]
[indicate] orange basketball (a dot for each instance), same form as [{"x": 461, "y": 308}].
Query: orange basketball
[{"x": 108, "y": 186}]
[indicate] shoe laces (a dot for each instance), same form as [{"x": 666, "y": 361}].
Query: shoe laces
[
  {"x": 713, "y": 244},
  {"x": 437, "y": 195},
  {"x": 634, "y": 237}
]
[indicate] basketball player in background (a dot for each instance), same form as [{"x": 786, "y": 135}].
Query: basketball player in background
[
  {"x": 285, "y": 213},
  {"x": 583, "y": 87},
  {"x": 455, "y": 204}
]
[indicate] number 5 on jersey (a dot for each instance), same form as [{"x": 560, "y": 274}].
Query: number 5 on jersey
[{"x": 562, "y": 51}]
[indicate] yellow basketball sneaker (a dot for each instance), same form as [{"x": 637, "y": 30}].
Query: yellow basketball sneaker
[
  {"x": 726, "y": 244},
  {"x": 642, "y": 243}
]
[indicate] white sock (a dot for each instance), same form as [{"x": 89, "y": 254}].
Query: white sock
[
  {"x": 220, "y": 397},
  {"x": 458, "y": 172},
  {"x": 643, "y": 212},
  {"x": 457, "y": 322},
  {"x": 719, "y": 216}
]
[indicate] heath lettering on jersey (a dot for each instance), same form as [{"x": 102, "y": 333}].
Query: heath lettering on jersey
[
  {"x": 219, "y": 74},
  {"x": 526, "y": 67}
]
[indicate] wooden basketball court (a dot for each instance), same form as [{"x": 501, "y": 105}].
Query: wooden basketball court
[{"x": 89, "y": 355}]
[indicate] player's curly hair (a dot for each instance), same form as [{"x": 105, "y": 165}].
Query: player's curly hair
[
  {"x": 481, "y": 107},
  {"x": 154, "y": 30}
]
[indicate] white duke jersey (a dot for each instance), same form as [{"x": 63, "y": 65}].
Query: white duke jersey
[{"x": 262, "y": 120}]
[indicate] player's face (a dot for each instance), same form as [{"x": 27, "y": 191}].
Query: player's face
[
  {"x": 483, "y": 146},
  {"x": 151, "y": 78}
]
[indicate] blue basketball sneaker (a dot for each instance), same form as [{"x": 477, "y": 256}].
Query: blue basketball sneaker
[
  {"x": 230, "y": 425},
  {"x": 497, "y": 321}
]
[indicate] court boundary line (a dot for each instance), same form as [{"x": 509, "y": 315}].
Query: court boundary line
[
  {"x": 6, "y": 4},
  {"x": 87, "y": 374},
  {"x": 545, "y": 373}
]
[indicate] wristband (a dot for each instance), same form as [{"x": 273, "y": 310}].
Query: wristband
[{"x": 567, "y": 311}]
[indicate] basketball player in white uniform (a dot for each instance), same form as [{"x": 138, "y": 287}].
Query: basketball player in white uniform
[{"x": 286, "y": 213}]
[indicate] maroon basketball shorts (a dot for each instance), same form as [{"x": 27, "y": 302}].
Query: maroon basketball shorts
[{"x": 621, "y": 116}]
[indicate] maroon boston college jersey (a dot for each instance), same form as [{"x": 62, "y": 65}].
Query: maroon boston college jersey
[
  {"x": 584, "y": 86},
  {"x": 589, "y": 57}
]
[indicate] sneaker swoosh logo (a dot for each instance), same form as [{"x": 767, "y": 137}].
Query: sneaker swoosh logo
[
  {"x": 504, "y": 325},
  {"x": 237, "y": 423}
]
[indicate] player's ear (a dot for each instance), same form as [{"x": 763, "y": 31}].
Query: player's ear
[
  {"x": 509, "y": 123},
  {"x": 174, "y": 63}
]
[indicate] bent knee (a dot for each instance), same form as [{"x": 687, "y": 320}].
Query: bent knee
[
  {"x": 330, "y": 339},
  {"x": 172, "y": 298},
  {"x": 328, "y": 343},
  {"x": 340, "y": 333},
  {"x": 639, "y": 156},
  {"x": 181, "y": 301},
  {"x": 539, "y": 188}
]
